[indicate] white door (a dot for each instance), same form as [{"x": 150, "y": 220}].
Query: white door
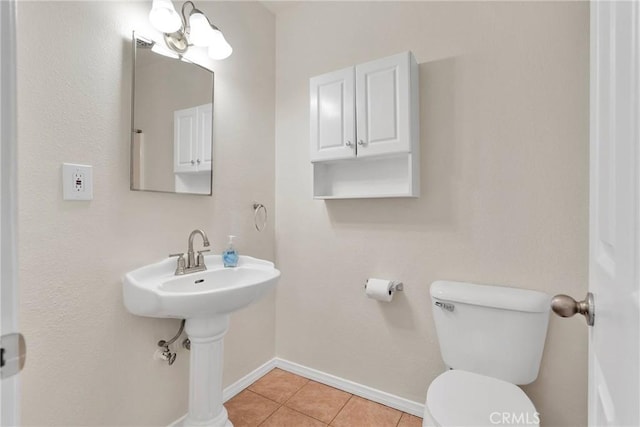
[
  {"x": 185, "y": 131},
  {"x": 614, "y": 355},
  {"x": 383, "y": 106},
  {"x": 8, "y": 281},
  {"x": 205, "y": 130},
  {"x": 332, "y": 116}
]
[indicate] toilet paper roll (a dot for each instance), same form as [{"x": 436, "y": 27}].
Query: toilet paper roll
[{"x": 379, "y": 289}]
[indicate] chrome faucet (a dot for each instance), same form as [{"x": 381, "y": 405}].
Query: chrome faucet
[{"x": 193, "y": 263}]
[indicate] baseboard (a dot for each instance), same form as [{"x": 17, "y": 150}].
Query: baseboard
[
  {"x": 247, "y": 380},
  {"x": 387, "y": 399},
  {"x": 391, "y": 400}
]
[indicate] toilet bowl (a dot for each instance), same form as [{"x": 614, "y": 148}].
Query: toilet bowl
[
  {"x": 491, "y": 339},
  {"x": 459, "y": 398}
]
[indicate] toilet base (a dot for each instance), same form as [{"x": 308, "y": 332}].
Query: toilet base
[{"x": 427, "y": 420}]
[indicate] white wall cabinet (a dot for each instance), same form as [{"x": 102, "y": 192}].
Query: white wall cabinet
[
  {"x": 192, "y": 130},
  {"x": 364, "y": 130}
]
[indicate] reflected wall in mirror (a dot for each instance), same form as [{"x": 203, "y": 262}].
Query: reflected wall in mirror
[{"x": 171, "y": 123}]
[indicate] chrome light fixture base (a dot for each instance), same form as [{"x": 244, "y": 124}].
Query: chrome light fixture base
[{"x": 177, "y": 42}]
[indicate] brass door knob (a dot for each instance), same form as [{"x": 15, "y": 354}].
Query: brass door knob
[{"x": 565, "y": 306}]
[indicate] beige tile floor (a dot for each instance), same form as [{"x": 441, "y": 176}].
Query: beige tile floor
[{"x": 283, "y": 399}]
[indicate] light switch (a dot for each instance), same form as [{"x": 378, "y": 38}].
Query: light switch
[{"x": 77, "y": 182}]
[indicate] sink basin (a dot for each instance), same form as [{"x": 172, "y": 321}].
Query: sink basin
[{"x": 154, "y": 290}]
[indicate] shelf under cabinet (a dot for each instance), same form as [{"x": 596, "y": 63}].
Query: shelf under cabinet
[{"x": 375, "y": 177}]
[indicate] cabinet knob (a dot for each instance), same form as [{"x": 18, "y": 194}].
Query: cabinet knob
[
  {"x": 360, "y": 142},
  {"x": 349, "y": 144},
  {"x": 192, "y": 162},
  {"x": 198, "y": 161}
]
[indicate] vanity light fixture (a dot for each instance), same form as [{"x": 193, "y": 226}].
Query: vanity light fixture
[
  {"x": 194, "y": 29},
  {"x": 145, "y": 43}
]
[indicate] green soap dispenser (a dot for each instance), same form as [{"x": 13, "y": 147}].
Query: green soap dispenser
[{"x": 230, "y": 255}]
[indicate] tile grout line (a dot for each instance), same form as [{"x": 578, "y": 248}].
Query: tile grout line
[
  {"x": 264, "y": 397},
  {"x": 270, "y": 415},
  {"x": 338, "y": 413},
  {"x": 322, "y": 421},
  {"x": 291, "y": 397},
  {"x": 309, "y": 415},
  {"x": 306, "y": 415},
  {"x": 261, "y": 395},
  {"x": 297, "y": 391},
  {"x": 285, "y": 401}
]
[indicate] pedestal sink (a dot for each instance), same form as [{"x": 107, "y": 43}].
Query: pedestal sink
[{"x": 205, "y": 299}]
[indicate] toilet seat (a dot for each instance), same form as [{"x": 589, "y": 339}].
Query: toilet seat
[{"x": 461, "y": 398}]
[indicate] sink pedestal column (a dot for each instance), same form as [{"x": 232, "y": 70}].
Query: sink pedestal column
[{"x": 205, "y": 372}]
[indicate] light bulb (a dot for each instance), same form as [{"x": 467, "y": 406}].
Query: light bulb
[
  {"x": 164, "y": 17},
  {"x": 219, "y": 48},
  {"x": 201, "y": 31}
]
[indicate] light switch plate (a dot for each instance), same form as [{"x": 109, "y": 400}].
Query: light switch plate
[{"x": 77, "y": 182}]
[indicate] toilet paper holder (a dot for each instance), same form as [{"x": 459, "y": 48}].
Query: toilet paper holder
[{"x": 395, "y": 286}]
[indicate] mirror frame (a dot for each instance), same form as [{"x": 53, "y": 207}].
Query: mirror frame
[{"x": 133, "y": 130}]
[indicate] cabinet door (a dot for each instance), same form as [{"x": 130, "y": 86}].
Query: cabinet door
[
  {"x": 383, "y": 105},
  {"x": 332, "y": 121},
  {"x": 185, "y": 131},
  {"x": 204, "y": 145}
]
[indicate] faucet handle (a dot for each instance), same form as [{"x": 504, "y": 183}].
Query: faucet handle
[
  {"x": 200, "y": 259},
  {"x": 181, "y": 263}
]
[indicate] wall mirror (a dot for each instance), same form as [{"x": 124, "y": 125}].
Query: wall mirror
[{"x": 171, "y": 123}]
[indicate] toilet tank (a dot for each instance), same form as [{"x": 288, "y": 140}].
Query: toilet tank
[{"x": 496, "y": 331}]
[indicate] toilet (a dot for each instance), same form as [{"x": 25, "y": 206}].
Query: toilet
[{"x": 491, "y": 339}]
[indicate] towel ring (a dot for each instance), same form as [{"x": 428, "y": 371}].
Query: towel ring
[{"x": 257, "y": 207}]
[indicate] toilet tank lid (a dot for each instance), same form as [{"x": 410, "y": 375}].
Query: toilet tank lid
[{"x": 502, "y": 297}]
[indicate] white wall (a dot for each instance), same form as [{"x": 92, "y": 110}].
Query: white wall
[
  {"x": 504, "y": 157},
  {"x": 89, "y": 361}
]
